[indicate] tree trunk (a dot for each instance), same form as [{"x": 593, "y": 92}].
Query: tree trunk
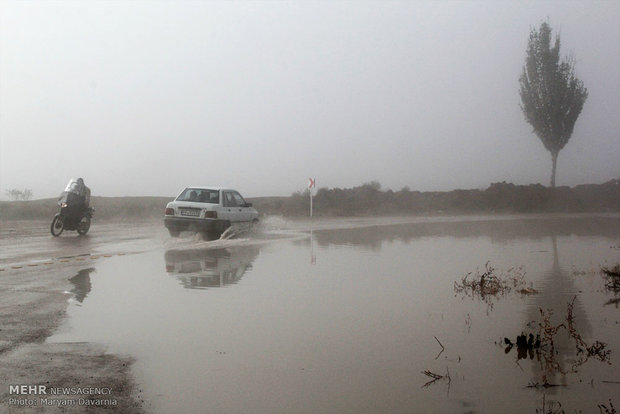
[{"x": 554, "y": 162}]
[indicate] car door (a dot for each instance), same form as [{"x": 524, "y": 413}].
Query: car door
[
  {"x": 244, "y": 209},
  {"x": 231, "y": 209}
]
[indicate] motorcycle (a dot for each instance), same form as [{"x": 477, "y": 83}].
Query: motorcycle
[{"x": 72, "y": 215}]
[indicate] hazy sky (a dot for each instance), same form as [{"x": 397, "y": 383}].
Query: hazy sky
[{"x": 147, "y": 97}]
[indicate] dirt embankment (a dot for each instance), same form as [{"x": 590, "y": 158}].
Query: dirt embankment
[{"x": 106, "y": 208}]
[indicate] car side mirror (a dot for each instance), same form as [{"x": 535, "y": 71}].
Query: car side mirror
[{"x": 248, "y": 204}]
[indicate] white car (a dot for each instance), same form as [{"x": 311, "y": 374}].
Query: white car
[{"x": 207, "y": 210}]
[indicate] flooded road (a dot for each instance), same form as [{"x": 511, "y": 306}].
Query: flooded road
[
  {"x": 362, "y": 319},
  {"x": 29, "y": 242}
]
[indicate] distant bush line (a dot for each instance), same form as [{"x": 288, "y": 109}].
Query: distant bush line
[{"x": 367, "y": 200}]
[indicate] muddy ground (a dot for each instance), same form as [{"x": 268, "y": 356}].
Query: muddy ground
[{"x": 35, "y": 289}]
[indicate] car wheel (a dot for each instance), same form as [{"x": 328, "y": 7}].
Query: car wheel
[{"x": 174, "y": 233}]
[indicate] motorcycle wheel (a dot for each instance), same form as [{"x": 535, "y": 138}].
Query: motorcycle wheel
[
  {"x": 83, "y": 225},
  {"x": 58, "y": 225}
]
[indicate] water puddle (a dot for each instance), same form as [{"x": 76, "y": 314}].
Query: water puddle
[{"x": 414, "y": 317}]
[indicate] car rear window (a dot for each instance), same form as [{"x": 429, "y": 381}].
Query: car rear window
[{"x": 200, "y": 195}]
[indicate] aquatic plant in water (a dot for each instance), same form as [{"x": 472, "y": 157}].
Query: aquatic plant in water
[
  {"x": 547, "y": 353},
  {"x": 613, "y": 277},
  {"x": 607, "y": 410},
  {"x": 612, "y": 283},
  {"x": 492, "y": 283}
]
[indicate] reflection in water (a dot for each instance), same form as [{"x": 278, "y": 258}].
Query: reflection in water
[
  {"x": 205, "y": 268},
  {"x": 81, "y": 283},
  {"x": 499, "y": 230},
  {"x": 312, "y": 253},
  {"x": 557, "y": 292}
]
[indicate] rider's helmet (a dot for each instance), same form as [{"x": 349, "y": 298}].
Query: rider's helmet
[{"x": 80, "y": 181}]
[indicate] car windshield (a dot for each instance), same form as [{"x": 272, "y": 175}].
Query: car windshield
[{"x": 200, "y": 195}]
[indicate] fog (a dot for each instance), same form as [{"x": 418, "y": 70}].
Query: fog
[{"x": 145, "y": 98}]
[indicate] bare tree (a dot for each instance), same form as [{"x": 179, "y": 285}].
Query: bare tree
[
  {"x": 26, "y": 194},
  {"x": 16, "y": 194},
  {"x": 551, "y": 96}
]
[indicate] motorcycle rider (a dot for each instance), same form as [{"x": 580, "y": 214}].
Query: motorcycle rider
[
  {"x": 79, "y": 196},
  {"x": 75, "y": 211},
  {"x": 84, "y": 193}
]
